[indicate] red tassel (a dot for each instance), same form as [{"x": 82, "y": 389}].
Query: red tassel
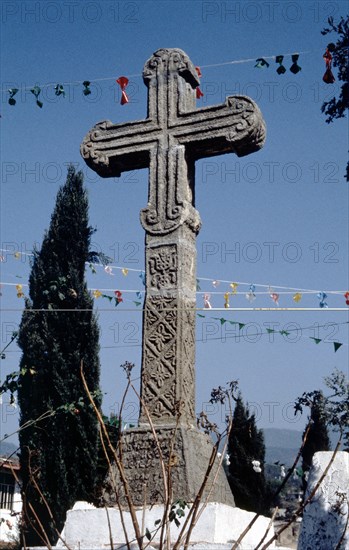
[
  {"x": 123, "y": 81},
  {"x": 328, "y": 76}
]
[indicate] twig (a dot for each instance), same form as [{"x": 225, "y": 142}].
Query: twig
[
  {"x": 277, "y": 492},
  {"x": 308, "y": 499},
  {"x": 109, "y": 529},
  {"x": 118, "y": 463}
]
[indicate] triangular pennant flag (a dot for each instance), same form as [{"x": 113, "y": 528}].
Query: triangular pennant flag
[
  {"x": 241, "y": 325},
  {"x": 270, "y": 330},
  {"x": 284, "y": 332},
  {"x": 316, "y": 340},
  {"x": 199, "y": 315},
  {"x": 137, "y": 303},
  {"x": 337, "y": 345}
]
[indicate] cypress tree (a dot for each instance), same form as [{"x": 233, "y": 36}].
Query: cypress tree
[
  {"x": 246, "y": 448},
  {"x": 58, "y": 332},
  {"x": 317, "y": 439}
]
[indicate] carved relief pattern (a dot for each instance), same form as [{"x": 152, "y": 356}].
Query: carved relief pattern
[
  {"x": 159, "y": 357},
  {"x": 162, "y": 267}
]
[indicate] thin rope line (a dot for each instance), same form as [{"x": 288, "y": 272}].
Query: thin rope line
[{"x": 138, "y": 75}]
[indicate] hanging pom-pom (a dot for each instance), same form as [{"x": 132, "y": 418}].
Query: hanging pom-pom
[
  {"x": 215, "y": 283},
  {"x": 281, "y": 69},
  {"x": 261, "y": 63},
  {"x": 295, "y": 68},
  {"x": 124, "y": 271},
  {"x": 59, "y": 90},
  {"x": 199, "y": 93},
  {"x": 97, "y": 293},
  {"x": 36, "y": 92},
  {"x": 346, "y": 296},
  {"x": 123, "y": 81},
  {"x": 328, "y": 77},
  {"x": 20, "y": 293},
  {"x": 86, "y": 85},
  {"x": 12, "y": 92}
]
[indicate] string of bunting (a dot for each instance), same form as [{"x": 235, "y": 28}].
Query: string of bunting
[
  {"x": 274, "y": 292},
  {"x": 123, "y": 81},
  {"x": 286, "y": 333}
]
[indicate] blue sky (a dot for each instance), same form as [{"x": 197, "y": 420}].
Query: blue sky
[{"x": 278, "y": 217}]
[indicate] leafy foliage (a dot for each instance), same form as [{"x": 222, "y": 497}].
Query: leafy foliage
[
  {"x": 246, "y": 449},
  {"x": 337, "y": 106},
  {"x": 58, "y": 334}
]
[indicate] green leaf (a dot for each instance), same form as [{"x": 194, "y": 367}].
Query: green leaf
[
  {"x": 147, "y": 533},
  {"x": 157, "y": 522}
]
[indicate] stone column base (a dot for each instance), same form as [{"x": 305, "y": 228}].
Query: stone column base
[{"x": 190, "y": 455}]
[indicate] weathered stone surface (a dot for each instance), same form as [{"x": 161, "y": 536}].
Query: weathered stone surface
[
  {"x": 168, "y": 142},
  {"x": 191, "y": 451},
  {"x": 324, "y": 519}
]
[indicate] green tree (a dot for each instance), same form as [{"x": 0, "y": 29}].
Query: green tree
[
  {"x": 246, "y": 451},
  {"x": 58, "y": 333},
  {"x": 337, "y": 107},
  {"x": 317, "y": 439}
]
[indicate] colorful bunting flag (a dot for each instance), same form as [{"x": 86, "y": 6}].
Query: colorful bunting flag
[
  {"x": 297, "y": 297},
  {"x": 346, "y": 296},
  {"x": 36, "y": 91},
  {"x": 59, "y": 90},
  {"x": 207, "y": 304},
  {"x": 261, "y": 63},
  {"x": 281, "y": 69},
  {"x": 199, "y": 93},
  {"x": 328, "y": 77},
  {"x": 233, "y": 287},
  {"x": 226, "y": 300},
  {"x": 86, "y": 84},
  {"x": 123, "y": 81},
  {"x": 124, "y": 271},
  {"x": 97, "y": 293},
  {"x": 295, "y": 68},
  {"x": 20, "y": 293},
  {"x": 12, "y": 92},
  {"x": 322, "y": 297}
]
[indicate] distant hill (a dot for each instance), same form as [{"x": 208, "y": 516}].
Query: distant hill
[
  {"x": 283, "y": 445},
  {"x": 6, "y": 449}
]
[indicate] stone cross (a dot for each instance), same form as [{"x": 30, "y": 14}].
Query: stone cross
[{"x": 168, "y": 142}]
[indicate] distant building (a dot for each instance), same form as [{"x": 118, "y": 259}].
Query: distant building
[{"x": 10, "y": 499}]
